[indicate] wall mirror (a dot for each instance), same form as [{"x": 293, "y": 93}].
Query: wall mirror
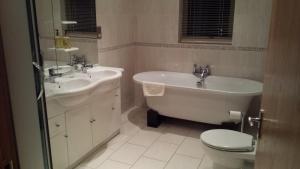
[
  {"x": 67, "y": 28},
  {"x": 68, "y": 37}
]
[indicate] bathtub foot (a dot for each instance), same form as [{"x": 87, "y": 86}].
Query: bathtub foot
[{"x": 153, "y": 118}]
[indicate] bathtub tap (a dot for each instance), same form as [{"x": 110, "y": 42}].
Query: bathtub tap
[{"x": 202, "y": 73}]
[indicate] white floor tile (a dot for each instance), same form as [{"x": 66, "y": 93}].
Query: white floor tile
[
  {"x": 171, "y": 138},
  {"x": 191, "y": 147},
  {"x": 146, "y": 163},
  {"x": 183, "y": 162},
  {"x": 206, "y": 163},
  {"x": 82, "y": 167},
  {"x": 195, "y": 133},
  {"x": 129, "y": 129},
  {"x": 109, "y": 164},
  {"x": 141, "y": 147},
  {"x": 161, "y": 151},
  {"x": 128, "y": 153},
  {"x": 118, "y": 141},
  {"x": 144, "y": 138},
  {"x": 178, "y": 130},
  {"x": 98, "y": 158}
]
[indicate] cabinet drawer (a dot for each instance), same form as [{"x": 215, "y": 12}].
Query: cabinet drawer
[{"x": 56, "y": 125}]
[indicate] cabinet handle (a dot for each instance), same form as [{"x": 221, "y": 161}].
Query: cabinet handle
[
  {"x": 57, "y": 125},
  {"x": 116, "y": 95},
  {"x": 66, "y": 136}
]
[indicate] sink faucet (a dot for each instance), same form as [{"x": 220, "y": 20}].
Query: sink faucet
[
  {"x": 85, "y": 67},
  {"x": 53, "y": 74},
  {"x": 80, "y": 63},
  {"x": 201, "y": 72},
  {"x": 75, "y": 59}
]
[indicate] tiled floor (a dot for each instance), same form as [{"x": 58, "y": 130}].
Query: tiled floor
[{"x": 174, "y": 145}]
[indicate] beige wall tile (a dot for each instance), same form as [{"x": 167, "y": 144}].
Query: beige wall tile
[
  {"x": 251, "y": 23},
  {"x": 123, "y": 58},
  {"x": 117, "y": 20},
  {"x": 156, "y": 22}
]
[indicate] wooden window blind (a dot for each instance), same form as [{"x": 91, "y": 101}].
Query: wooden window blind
[
  {"x": 82, "y": 11},
  {"x": 207, "y": 19}
]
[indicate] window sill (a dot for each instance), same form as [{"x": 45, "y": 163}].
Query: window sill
[
  {"x": 226, "y": 42},
  {"x": 83, "y": 35}
]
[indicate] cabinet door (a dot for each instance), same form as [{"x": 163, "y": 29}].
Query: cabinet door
[
  {"x": 102, "y": 115},
  {"x": 59, "y": 151},
  {"x": 79, "y": 132},
  {"x": 115, "y": 123}
]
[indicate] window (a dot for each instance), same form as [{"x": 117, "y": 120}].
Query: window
[
  {"x": 84, "y": 13},
  {"x": 207, "y": 20}
]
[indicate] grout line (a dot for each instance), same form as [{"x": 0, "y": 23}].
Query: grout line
[
  {"x": 147, "y": 148},
  {"x": 175, "y": 152},
  {"x": 154, "y": 159},
  {"x": 120, "y": 162},
  {"x": 202, "y": 160},
  {"x": 161, "y": 132}
]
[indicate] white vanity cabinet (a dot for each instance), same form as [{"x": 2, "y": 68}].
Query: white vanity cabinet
[
  {"x": 82, "y": 128},
  {"x": 58, "y": 142},
  {"x": 91, "y": 125},
  {"x": 84, "y": 112},
  {"x": 59, "y": 151},
  {"x": 115, "y": 118},
  {"x": 79, "y": 133},
  {"x": 101, "y": 115}
]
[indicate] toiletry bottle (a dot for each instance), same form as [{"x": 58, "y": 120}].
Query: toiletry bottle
[
  {"x": 58, "y": 40},
  {"x": 66, "y": 42}
]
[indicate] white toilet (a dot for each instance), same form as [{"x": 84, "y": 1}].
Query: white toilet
[{"x": 228, "y": 149}]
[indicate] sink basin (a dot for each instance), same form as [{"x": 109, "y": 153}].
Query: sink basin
[
  {"x": 69, "y": 84},
  {"x": 101, "y": 74},
  {"x": 60, "y": 69},
  {"x": 77, "y": 88}
]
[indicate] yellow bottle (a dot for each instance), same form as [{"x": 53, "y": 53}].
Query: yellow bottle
[
  {"x": 67, "y": 42},
  {"x": 58, "y": 40}
]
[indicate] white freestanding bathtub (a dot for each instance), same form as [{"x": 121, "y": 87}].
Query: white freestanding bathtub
[{"x": 211, "y": 103}]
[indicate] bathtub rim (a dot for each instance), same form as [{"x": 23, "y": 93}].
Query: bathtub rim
[{"x": 201, "y": 89}]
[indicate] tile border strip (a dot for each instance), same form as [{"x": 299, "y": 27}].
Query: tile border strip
[
  {"x": 181, "y": 45},
  {"x": 116, "y": 47},
  {"x": 164, "y": 45},
  {"x": 199, "y": 46},
  {"x": 73, "y": 39}
]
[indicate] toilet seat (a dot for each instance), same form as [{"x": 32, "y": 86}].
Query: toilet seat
[{"x": 228, "y": 140}]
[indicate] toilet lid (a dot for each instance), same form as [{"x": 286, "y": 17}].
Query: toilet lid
[{"x": 228, "y": 140}]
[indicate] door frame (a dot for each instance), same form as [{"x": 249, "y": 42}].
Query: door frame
[
  {"x": 20, "y": 45},
  {"x": 8, "y": 153}
]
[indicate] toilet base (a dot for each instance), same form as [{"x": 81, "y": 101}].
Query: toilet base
[{"x": 223, "y": 160}]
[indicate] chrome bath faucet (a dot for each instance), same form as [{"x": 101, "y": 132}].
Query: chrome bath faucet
[{"x": 201, "y": 73}]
